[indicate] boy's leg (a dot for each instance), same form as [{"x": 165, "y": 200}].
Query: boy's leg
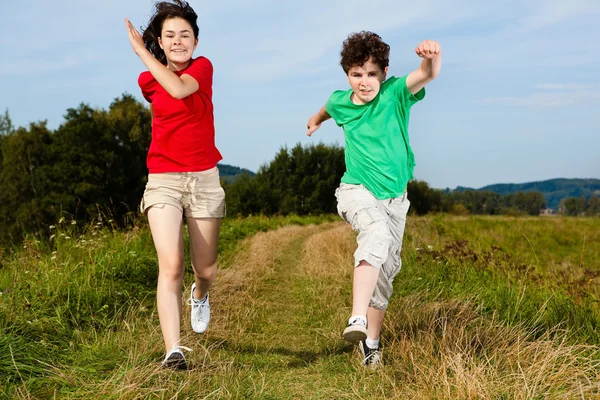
[
  {"x": 363, "y": 286},
  {"x": 165, "y": 224},
  {"x": 362, "y": 210},
  {"x": 375, "y": 318},
  {"x": 397, "y": 209}
]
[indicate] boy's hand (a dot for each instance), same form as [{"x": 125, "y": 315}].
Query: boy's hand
[
  {"x": 313, "y": 124},
  {"x": 428, "y": 49}
]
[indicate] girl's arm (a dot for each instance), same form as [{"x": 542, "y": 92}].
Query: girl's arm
[{"x": 177, "y": 86}]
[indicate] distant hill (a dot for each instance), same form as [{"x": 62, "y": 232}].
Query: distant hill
[
  {"x": 554, "y": 190},
  {"x": 229, "y": 172}
]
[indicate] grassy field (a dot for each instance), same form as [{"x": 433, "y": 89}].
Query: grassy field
[{"x": 484, "y": 308}]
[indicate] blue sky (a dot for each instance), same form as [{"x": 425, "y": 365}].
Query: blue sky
[{"x": 517, "y": 99}]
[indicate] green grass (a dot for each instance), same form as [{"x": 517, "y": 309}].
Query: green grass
[{"x": 484, "y": 307}]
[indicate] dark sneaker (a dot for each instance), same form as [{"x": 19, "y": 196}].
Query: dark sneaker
[
  {"x": 371, "y": 357},
  {"x": 175, "y": 359},
  {"x": 356, "y": 330}
]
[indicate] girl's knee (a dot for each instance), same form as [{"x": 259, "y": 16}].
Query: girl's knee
[
  {"x": 173, "y": 272},
  {"x": 206, "y": 271}
]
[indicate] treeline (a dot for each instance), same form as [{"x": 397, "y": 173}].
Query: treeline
[
  {"x": 580, "y": 206},
  {"x": 95, "y": 164},
  {"x": 302, "y": 180}
]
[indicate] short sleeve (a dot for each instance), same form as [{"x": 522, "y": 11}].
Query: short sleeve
[
  {"x": 201, "y": 69},
  {"x": 400, "y": 90},
  {"x": 334, "y": 106},
  {"x": 145, "y": 82}
]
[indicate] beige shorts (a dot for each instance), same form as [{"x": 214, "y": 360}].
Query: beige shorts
[
  {"x": 195, "y": 194},
  {"x": 380, "y": 227}
]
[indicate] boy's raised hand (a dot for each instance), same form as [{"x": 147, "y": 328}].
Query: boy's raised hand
[{"x": 428, "y": 49}]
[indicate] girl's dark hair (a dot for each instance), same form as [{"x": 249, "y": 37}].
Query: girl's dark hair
[
  {"x": 359, "y": 47},
  {"x": 163, "y": 11}
]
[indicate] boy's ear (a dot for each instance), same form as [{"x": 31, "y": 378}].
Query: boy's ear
[{"x": 385, "y": 71}]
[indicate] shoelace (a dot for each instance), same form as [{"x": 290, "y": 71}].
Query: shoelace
[
  {"x": 177, "y": 349},
  {"x": 358, "y": 321},
  {"x": 201, "y": 303}
]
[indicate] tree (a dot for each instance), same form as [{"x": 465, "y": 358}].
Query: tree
[
  {"x": 581, "y": 205},
  {"x": 6, "y": 126},
  {"x": 27, "y": 188},
  {"x": 569, "y": 206},
  {"x": 593, "y": 207},
  {"x": 301, "y": 181},
  {"x": 102, "y": 156},
  {"x": 528, "y": 202},
  {"x": 423, "y": 199}
]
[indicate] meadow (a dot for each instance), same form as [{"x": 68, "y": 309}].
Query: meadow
[{"x": 484, "y": 308}]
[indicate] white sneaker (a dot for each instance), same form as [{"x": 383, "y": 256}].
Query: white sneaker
[
  {"x": 356, "y": 330},
  {"x": 371, "y": 357},
  {"x": 200, "y": 316}
]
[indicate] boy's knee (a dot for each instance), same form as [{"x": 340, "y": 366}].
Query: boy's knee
[
  {"x": 378, "y": 304},
  {"x": 374, "y": 245},
  {"x": 382, "y": 293}
]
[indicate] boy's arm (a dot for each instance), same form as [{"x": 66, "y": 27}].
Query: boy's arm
[
  {"x": 431, "y": 52},
  {"x": 316, "y": 120},
  {"x": 177, "y": 87}
]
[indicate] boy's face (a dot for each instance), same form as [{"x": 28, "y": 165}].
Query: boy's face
[{"x": 365, "y": 81}]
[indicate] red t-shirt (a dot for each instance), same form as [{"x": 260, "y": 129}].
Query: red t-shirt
[{"x": 183, "y": 131}]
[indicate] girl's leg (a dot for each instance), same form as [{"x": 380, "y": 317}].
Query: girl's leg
[
  {"x": 165, "y": 224},
  {"x": 204, "y": 238}
]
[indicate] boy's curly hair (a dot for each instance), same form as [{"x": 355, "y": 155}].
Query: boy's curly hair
[{"x": 359, "y": 47}]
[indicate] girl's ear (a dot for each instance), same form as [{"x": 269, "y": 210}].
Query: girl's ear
[
  {"x": 160, "y": 43},
  {"x": 195, "y": 43}
]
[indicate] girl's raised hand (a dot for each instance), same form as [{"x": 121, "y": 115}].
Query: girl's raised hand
[{"x": 134, "y": 37}]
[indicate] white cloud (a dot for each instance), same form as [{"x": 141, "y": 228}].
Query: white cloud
[
  {"x": 567, "y": 86},
  {"x": 564, "y": 98},
  {"x": 300, "y": 36},
  {"x": 33, "y": 66},
  {"x": 550, "y": 12}
]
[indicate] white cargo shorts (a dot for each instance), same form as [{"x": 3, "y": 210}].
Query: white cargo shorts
[{"x": 380, "y": 227}]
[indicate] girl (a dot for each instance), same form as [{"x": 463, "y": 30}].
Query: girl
[{"x": 182, "y": 162}]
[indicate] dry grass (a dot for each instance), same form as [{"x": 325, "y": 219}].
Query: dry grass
[
  {"x": 279, "y": 305},
  {"x": 447, "y": 349}
]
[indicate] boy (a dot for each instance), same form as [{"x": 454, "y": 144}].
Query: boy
[{"x": 374, "y": 115}]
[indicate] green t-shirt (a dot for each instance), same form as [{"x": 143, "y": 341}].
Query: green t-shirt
[{"x": 378, "y": 153}]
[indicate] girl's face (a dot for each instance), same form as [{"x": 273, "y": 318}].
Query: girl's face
[
  {"x": 178, "y": 42},
  {"x": 365, "y": 81}
]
